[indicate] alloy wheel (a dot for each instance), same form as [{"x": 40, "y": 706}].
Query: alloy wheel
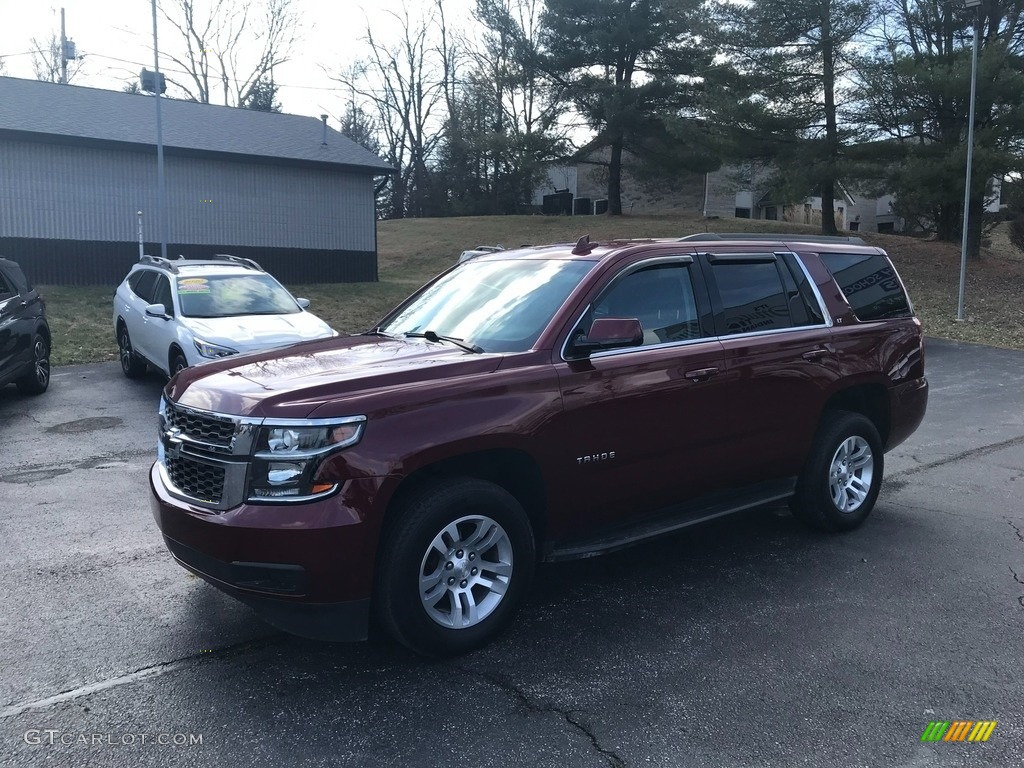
[
  {"x": 850, "y": 474},
  {"x": 465, "y": 572}
]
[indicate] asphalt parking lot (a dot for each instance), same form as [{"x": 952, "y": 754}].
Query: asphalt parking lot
[{"x": 745, "y": 642}]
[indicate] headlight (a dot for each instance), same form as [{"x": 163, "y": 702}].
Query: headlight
[
  {"x": 206, "y": 349},
  {"x": 288, "y": 455}
]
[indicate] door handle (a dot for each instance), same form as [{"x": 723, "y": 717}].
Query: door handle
[
  {"x": 814, "y": 355},
  {"x": 701, "y": 374}
]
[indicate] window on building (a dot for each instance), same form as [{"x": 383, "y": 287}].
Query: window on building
[{"x": 742, "y": 213}]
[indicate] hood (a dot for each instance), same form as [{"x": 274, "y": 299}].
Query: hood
[
  {"x": 293, "y": 383},
  {"x": 248, "y": 333}
]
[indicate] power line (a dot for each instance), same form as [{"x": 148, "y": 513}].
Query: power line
[{"x": 186, "y": 72}]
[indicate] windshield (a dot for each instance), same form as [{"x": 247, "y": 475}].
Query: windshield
[
  {"x": 501, "y": 306},
  {"x": 231, "y": 295}
]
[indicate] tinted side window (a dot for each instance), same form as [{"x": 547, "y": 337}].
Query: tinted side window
[
  {"x": 162, "y": 294},
  {"x": 811, "y": 308},
  {"x": 142, "y": 283},
  {"x": 660, "y": 297},
  {"x": 753, "y": 297},
  {"x": 870, "y": 285}
]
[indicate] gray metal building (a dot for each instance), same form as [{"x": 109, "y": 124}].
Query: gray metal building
[{"x": 77, "y": 164}]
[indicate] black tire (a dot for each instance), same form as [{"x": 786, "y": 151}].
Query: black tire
[
  {"x": 132, "y": 365},
  {"x": 857, "y": 479},
  {"x": 407, "y": 551},
  {"x": 178, "y": 361},
  {"x": 36, "y": 381}
]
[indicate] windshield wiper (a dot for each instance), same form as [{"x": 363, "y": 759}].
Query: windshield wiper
[{"x": 435, "y": 337}]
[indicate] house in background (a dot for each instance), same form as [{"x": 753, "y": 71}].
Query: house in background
[
  {"x": 77, "y": 164},
  {"x": 746, "y": 192},
  {"x": 737, "y": 191}
]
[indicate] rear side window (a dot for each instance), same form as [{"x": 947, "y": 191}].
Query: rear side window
[
  {"x": 142, "y": 283},
  {"x": 753, "y": 297},
  {"x": 870, "y": 285}
]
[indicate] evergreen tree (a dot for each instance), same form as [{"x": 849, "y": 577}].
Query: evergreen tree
[
  {"x": 779, "y": 95},
  {"x": 917, "y": 91},
  {"x": 631, "y": 68}
]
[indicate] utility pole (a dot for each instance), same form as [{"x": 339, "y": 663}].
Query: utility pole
[
  {"x": 68, "y": 51},
  {"x": 63, "y": 51},
  {"x": 161, "y": 202}
]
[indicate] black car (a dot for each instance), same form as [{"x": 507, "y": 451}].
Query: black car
[{"x": 24, "y": 332}]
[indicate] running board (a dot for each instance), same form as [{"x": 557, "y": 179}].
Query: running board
[{"x": 672, "y": 519}]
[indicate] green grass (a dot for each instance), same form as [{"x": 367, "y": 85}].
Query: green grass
[{"x": 412, "y": 251}]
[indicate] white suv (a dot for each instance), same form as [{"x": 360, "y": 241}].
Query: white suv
[{"x": 171, "y": 314}]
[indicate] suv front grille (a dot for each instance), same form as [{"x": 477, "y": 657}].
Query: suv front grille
[
  {"x": 197, "y": 479},
  {"x": 205, "y": 428}
]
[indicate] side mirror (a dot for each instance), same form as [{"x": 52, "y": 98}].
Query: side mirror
[
  {"x": 156, "y": 310},
  {"x": 304, "y": 303},
  {"x": 610, "y": 333}
]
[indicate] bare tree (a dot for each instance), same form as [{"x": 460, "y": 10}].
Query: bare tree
[
  {"x": 404, "y": 83},
  {"x": 228, "y": 48},
  {"x": 46, "y": 60}
]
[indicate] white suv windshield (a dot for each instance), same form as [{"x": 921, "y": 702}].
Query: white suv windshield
[
  {"x": 231, "y": 295},
  {"x": 500, "y": 306}
]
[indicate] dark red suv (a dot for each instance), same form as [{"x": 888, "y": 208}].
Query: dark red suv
[{"x": 545, "y": 403}]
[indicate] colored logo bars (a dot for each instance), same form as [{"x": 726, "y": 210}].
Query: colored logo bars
[{"x": 959, "y": 730}]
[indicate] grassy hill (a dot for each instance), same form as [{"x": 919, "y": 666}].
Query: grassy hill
[{"x": 411, "y": 251}]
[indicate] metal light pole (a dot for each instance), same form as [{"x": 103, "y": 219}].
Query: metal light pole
[
  {"x": 161, "y": 202},
  {"x": 141, "y": 247},
  {"x": 970, "y": 158}
]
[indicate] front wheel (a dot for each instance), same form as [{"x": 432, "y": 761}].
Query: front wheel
[
  {"x": 37, "y": 379},
  {"x": 454, "y": 566},
  {"x": 178, "y": 362},
  {"x": 841, "y": 480}
]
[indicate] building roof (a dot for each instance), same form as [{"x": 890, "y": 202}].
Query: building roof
[{"x": 31, "y": 109}]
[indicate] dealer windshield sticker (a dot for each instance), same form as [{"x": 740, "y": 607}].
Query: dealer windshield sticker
[{"x": 193, "y": 285}]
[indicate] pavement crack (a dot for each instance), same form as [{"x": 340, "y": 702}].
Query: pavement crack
[
  {"x": 1016, "y": 530},
  {"x": 971, "y": 454},
  {"x": 152, "y": 670},
  {"x": 1020, "y": 581},
  {"x": 31, "y": 473},
  {"x": 569, "y": 715}
]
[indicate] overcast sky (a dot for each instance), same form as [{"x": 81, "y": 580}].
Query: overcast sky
[{"x": 117, "y": 38}]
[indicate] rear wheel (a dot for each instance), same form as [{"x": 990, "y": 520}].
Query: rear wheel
[
  {"x": 840, "y": 483},
  {"x": 36, "y": 381},
  {"x": 132, "y": 365},
  {"x": 454, "y": 567}
]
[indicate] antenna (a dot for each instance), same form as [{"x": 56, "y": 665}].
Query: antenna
[{"x": 584, "y": 246}]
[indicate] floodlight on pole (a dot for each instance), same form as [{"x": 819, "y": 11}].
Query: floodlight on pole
[{"x": 970, "y": 159}]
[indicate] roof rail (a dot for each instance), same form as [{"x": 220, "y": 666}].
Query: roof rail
[
  {"x": 172, "y": 266},
  {"x": 240, "y": 260},
  {"x": 773, "y": 236},
  {"x": 158, "y": 261}
]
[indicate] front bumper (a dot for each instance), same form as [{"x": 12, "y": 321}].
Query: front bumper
[{"x": 306, "y": 569}]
